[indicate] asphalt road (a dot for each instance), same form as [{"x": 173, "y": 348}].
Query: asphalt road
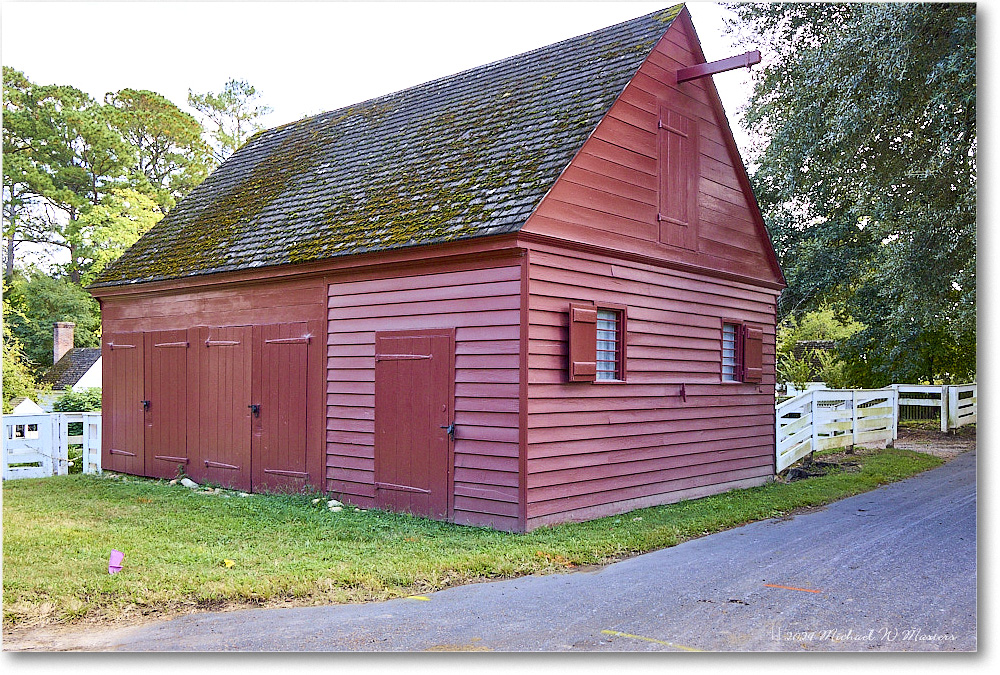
[{"x": 889, "y": 570}]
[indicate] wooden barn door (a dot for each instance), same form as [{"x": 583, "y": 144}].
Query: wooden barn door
[
  {"x": 121, "y": 402},
  {"x": 284, "y": 375},
  {"x": 166, "y": 414},
  {"x": 222, "y": 388},
  {"x": 414, "y": 394}
]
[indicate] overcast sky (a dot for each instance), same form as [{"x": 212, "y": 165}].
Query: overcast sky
[{"x": 307, "y": 57}]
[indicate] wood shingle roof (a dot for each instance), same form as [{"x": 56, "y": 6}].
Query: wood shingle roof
[
  {"x": 71, "y": 367},
  {"x": 468, "y": 155}
]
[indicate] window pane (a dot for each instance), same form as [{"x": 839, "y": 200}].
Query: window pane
[
  {"x": 729, "y": 352},
  {"x": 608, "y": 344}
]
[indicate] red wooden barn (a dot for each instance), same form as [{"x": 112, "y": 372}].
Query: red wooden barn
[{"x": 536, "y": 291}]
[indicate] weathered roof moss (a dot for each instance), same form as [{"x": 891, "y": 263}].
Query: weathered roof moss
[{"x": 467, "y": 155}]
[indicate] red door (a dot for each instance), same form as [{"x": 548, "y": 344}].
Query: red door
[
  {"x": 122, "y": 398},
  {"x": 280, "y": 421},
  {"x": 166, "y": 414},
  {"x": 414, "y": 391},
  {"x": 223, "y": 389}
]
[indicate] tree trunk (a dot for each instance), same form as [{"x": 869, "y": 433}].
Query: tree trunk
[
  {"x": 8, "y": 270},
  {"x": 74, "y": 268}
]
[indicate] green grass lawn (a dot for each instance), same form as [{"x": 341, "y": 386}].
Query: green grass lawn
[{"x": 58, "y": 533}]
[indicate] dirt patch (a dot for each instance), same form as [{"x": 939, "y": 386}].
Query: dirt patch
[
  {"x": 824, "y": 464},
  {"x": 933, "y": 442},
  {"x": 57, "y": 638}
]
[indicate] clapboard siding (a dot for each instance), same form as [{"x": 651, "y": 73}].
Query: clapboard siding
[
  {"x": 556, "y": 508},
  {"x": 716, "y": 438},
  {"x": 609, "y": 195},
  {"x": 484, "y": 306},
  {"x": 595, "y": 447}
]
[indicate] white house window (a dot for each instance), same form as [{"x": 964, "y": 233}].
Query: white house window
[
  {"x": 729, "y": 363},
  {"x": 609, "y": 345}
]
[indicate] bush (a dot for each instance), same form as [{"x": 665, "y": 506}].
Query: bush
[
  {"x": 833, "y": 371},
  {"x": 87, "y": 400},
  {"x": 793, "y": 370}
]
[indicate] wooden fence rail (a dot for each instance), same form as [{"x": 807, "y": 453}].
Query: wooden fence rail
[
  {"x": 963, "y": 405},
  {"x": 956, "y": 404},
  {"x": 35, "y": 446},
  {"x": 831, "y": 418}
]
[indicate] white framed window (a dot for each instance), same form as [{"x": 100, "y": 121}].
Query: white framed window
[{"x": 730, "y": 354}]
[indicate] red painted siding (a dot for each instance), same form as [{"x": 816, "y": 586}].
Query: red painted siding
[
  {"x": 656, "y": 216},
  {"x": 595, "y": 448},
  {"x": 270, "y": 301},
  {"x": 483, "y": 306},
  {"x": 617, "y": 194}
]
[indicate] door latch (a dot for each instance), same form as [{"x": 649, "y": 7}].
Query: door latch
[
  {"x": 450, "y": 430},
  {"x": 255, "y": 409},
  {"x": 145, "y": 405}
]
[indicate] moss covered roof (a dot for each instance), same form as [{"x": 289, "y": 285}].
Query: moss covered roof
[{"x": 468, "y": 155}]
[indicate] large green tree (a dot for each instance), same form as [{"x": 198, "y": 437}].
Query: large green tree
[
  {"x": 80, "y": 175},
  {"x": 68, "y": 158},
  {"x": 866, "y": 174},
  {"x": 40, "y": 300},
  {"x": 168, "y": 156},
  {"x": 234, "y": 113},
  {"x": 33, "y": 153},
  {"x": 107, "y": 229}
]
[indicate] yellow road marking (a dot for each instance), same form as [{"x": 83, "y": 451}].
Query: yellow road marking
[
  {"x": 418, "y": 597},
  {"x": 647, "y": 639}
]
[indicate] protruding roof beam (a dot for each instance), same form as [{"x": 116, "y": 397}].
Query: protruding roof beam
[{"x": 704, "y": 69}]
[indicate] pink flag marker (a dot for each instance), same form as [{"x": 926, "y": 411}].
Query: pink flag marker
[{"x": 115, "y": 562}]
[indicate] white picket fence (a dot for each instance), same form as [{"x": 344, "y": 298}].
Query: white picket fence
[
  {"x": 832, "y": 418},
  {"x": 35, "y": 446}
]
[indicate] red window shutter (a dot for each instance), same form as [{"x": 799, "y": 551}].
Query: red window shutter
[
  {"x": 582, "y": 343},
  {"x": 753, "y": 353},
  {"x": 678, "y": 168}
]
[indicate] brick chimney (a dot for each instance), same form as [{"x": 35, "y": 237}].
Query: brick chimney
[{"x": 62, "y": 339}]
